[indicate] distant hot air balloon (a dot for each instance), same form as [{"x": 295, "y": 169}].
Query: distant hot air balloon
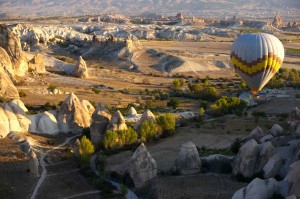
[{"x": 256, "y": 58}]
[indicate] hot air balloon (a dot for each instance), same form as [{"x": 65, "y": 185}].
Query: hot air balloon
[{"x": 256, "y": 58}]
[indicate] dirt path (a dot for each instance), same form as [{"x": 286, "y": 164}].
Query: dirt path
[
  {"x": 129, "y": 195},
  {"x": 82, "y": 194},
  {"x": 43, "y": 165}
]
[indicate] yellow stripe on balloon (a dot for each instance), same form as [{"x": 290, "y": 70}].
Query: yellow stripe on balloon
[{"x": 275, "y": 65}]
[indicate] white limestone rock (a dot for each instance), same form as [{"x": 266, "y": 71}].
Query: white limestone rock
[
  {"x": 117, "y": 122},
  {"x": 142, "y": 166},
  {"x": 72, "y": 116},
  {"x": 246, "y": 159},
  {"x": 258, "y": 189},
  {"x": 188, "y": 160},
  {"x": 48, "y": 124}
]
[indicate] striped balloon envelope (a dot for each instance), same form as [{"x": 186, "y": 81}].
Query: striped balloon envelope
[{"x": 256, "y": 58}]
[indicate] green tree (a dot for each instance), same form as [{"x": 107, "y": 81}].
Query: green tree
[
  {"x": 149, "y": 130},
  {"x": 110, "y": 139},
  {"x": 86, "y": 150},
  {"x": 174, "y": 103},
  {"x": 130, "y": 136},
  {"x": 226, "y": 105},
  {"x": 209, "y": 94},
  {"x": 167, "y": 123},
  {"x": 201, "y": 112},
  {"x": 177, "y": 83}
]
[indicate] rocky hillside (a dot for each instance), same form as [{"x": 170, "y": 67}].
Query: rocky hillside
[{"x": 56, "y": 7}]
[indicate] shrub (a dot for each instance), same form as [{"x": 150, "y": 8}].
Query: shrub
[
  {"x": 167, "y": 123},
  {"x": 174, "y": 103},
  {"x": 123, "y": 189},
  {"x": 22, "y": 94},
  {"x": 52, "y": 87},
  {"x": 127, "y": 137},
  {"x": 236, "y": 145},
  {"x": 149, "y": 130},
  {"x": 146, "y": 81},
  {"x": 177, "y": 83},
  {"x": 86, "y": 150},
  {"x": 96, "y": 90},
  {"x": 227, "y": 105},
  {"x": 110, "y": 140}
]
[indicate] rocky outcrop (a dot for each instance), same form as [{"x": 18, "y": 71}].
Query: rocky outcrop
[
  {"x": 258, "y": 189},
  {"x": 81, "y": 70},
  {"x": 88, "y": 106},
  {"x": 33, "y": 164},
  {"x": 147, "y": 116},
  {"x": 276, "y": 130},
  {"x": 72, "y": 116},
  {"x": 19, "y": 109},
  {"x": 256, "y": 134},
  {"x": 7, "y": 88},
  {"x": 117, "y": 122},
  {"x": 47, "y": 123},
  {"x": 132, "y": 111},
  {"x": 188, "y": 160},
  {"x": 294, "y": 118},
  {"x": 37, "y": 64},
  {"x": 11, "y": 44},
  {"x": 76, "y": 148},
  {"x": 246, "y": 160},
  {"x": 100, "y": 120},
  {"x": 266, "y": 150},
  {"x": 5, "y": 63},
  {"x": 292, "y": 181},
  {"x": 142, "y": 166},
  {"x": 277, "y": 22}
]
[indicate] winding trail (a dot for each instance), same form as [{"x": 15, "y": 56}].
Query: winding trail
[
  {"x": 43, "y": 165},
  {"x": 82, "y": 194},
  {"x": 130, "y": 194}
]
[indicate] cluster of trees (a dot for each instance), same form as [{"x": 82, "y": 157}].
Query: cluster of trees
[
  {"x": 284, "y": 77},
  {"x": 207, "y": 93},
  {"x": 86, "y": 151},
  {"x": 149, "y": 130},
  {"x": 113, "y": 139},
  {"x": 227, "y": 105}
]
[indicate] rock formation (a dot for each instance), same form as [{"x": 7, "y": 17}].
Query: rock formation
[
  {"x": 277, "y": 22},
  {"x": 76, "y": 148},
  {"x": 246, "y": 159},
  {"x": 11, "y": 43},
  {"x": 132, "y": 112},
  {"x": 147, "y": 116},
  {"x": 276, "y": 130},
  {"x": 88, "y": 106},
  {"x": 292, "y": 181},
  {"x": 117, "y": 122},
  {"x": 5, "y": 63},
  {"x": 142, "y": 166},
  {"x": 37, "y": 64},
  {"x": 294, "y": 118},
  {"x": 33, "y": 164},
  {"x": 47, "y": 123},
  {"x": 7, "y": 88},
  {"x": 81, "y": 70},
  {"x": 258, "y": 189},
  {"x": 72, "y": 116},
  {"x": 100, "y": 120},
  {"x": 188, "y": 161},
  {"x": 256, "y": 134}
]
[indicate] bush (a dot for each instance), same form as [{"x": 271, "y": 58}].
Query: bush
[
  {"x": 52, "y": 87},
  {"x": 96, "y": 90},
  {"x": 123, "y": 189},
  {"x": 110, "y": 140},
  {"x": 149, "y": 130},
  {"x": 146, "y": 81},
  {"x": 236, "y": 145},
  {"x": 86, "y": 150},
  {"x": 127, "y": 137},
  {"x": 174, "y": 103},
  {"x": 167, "y": 123},
  {"x": 22, "y": 94},
  {"x": 177, "y": 83},
  {"x": 228, "y": 105}
]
